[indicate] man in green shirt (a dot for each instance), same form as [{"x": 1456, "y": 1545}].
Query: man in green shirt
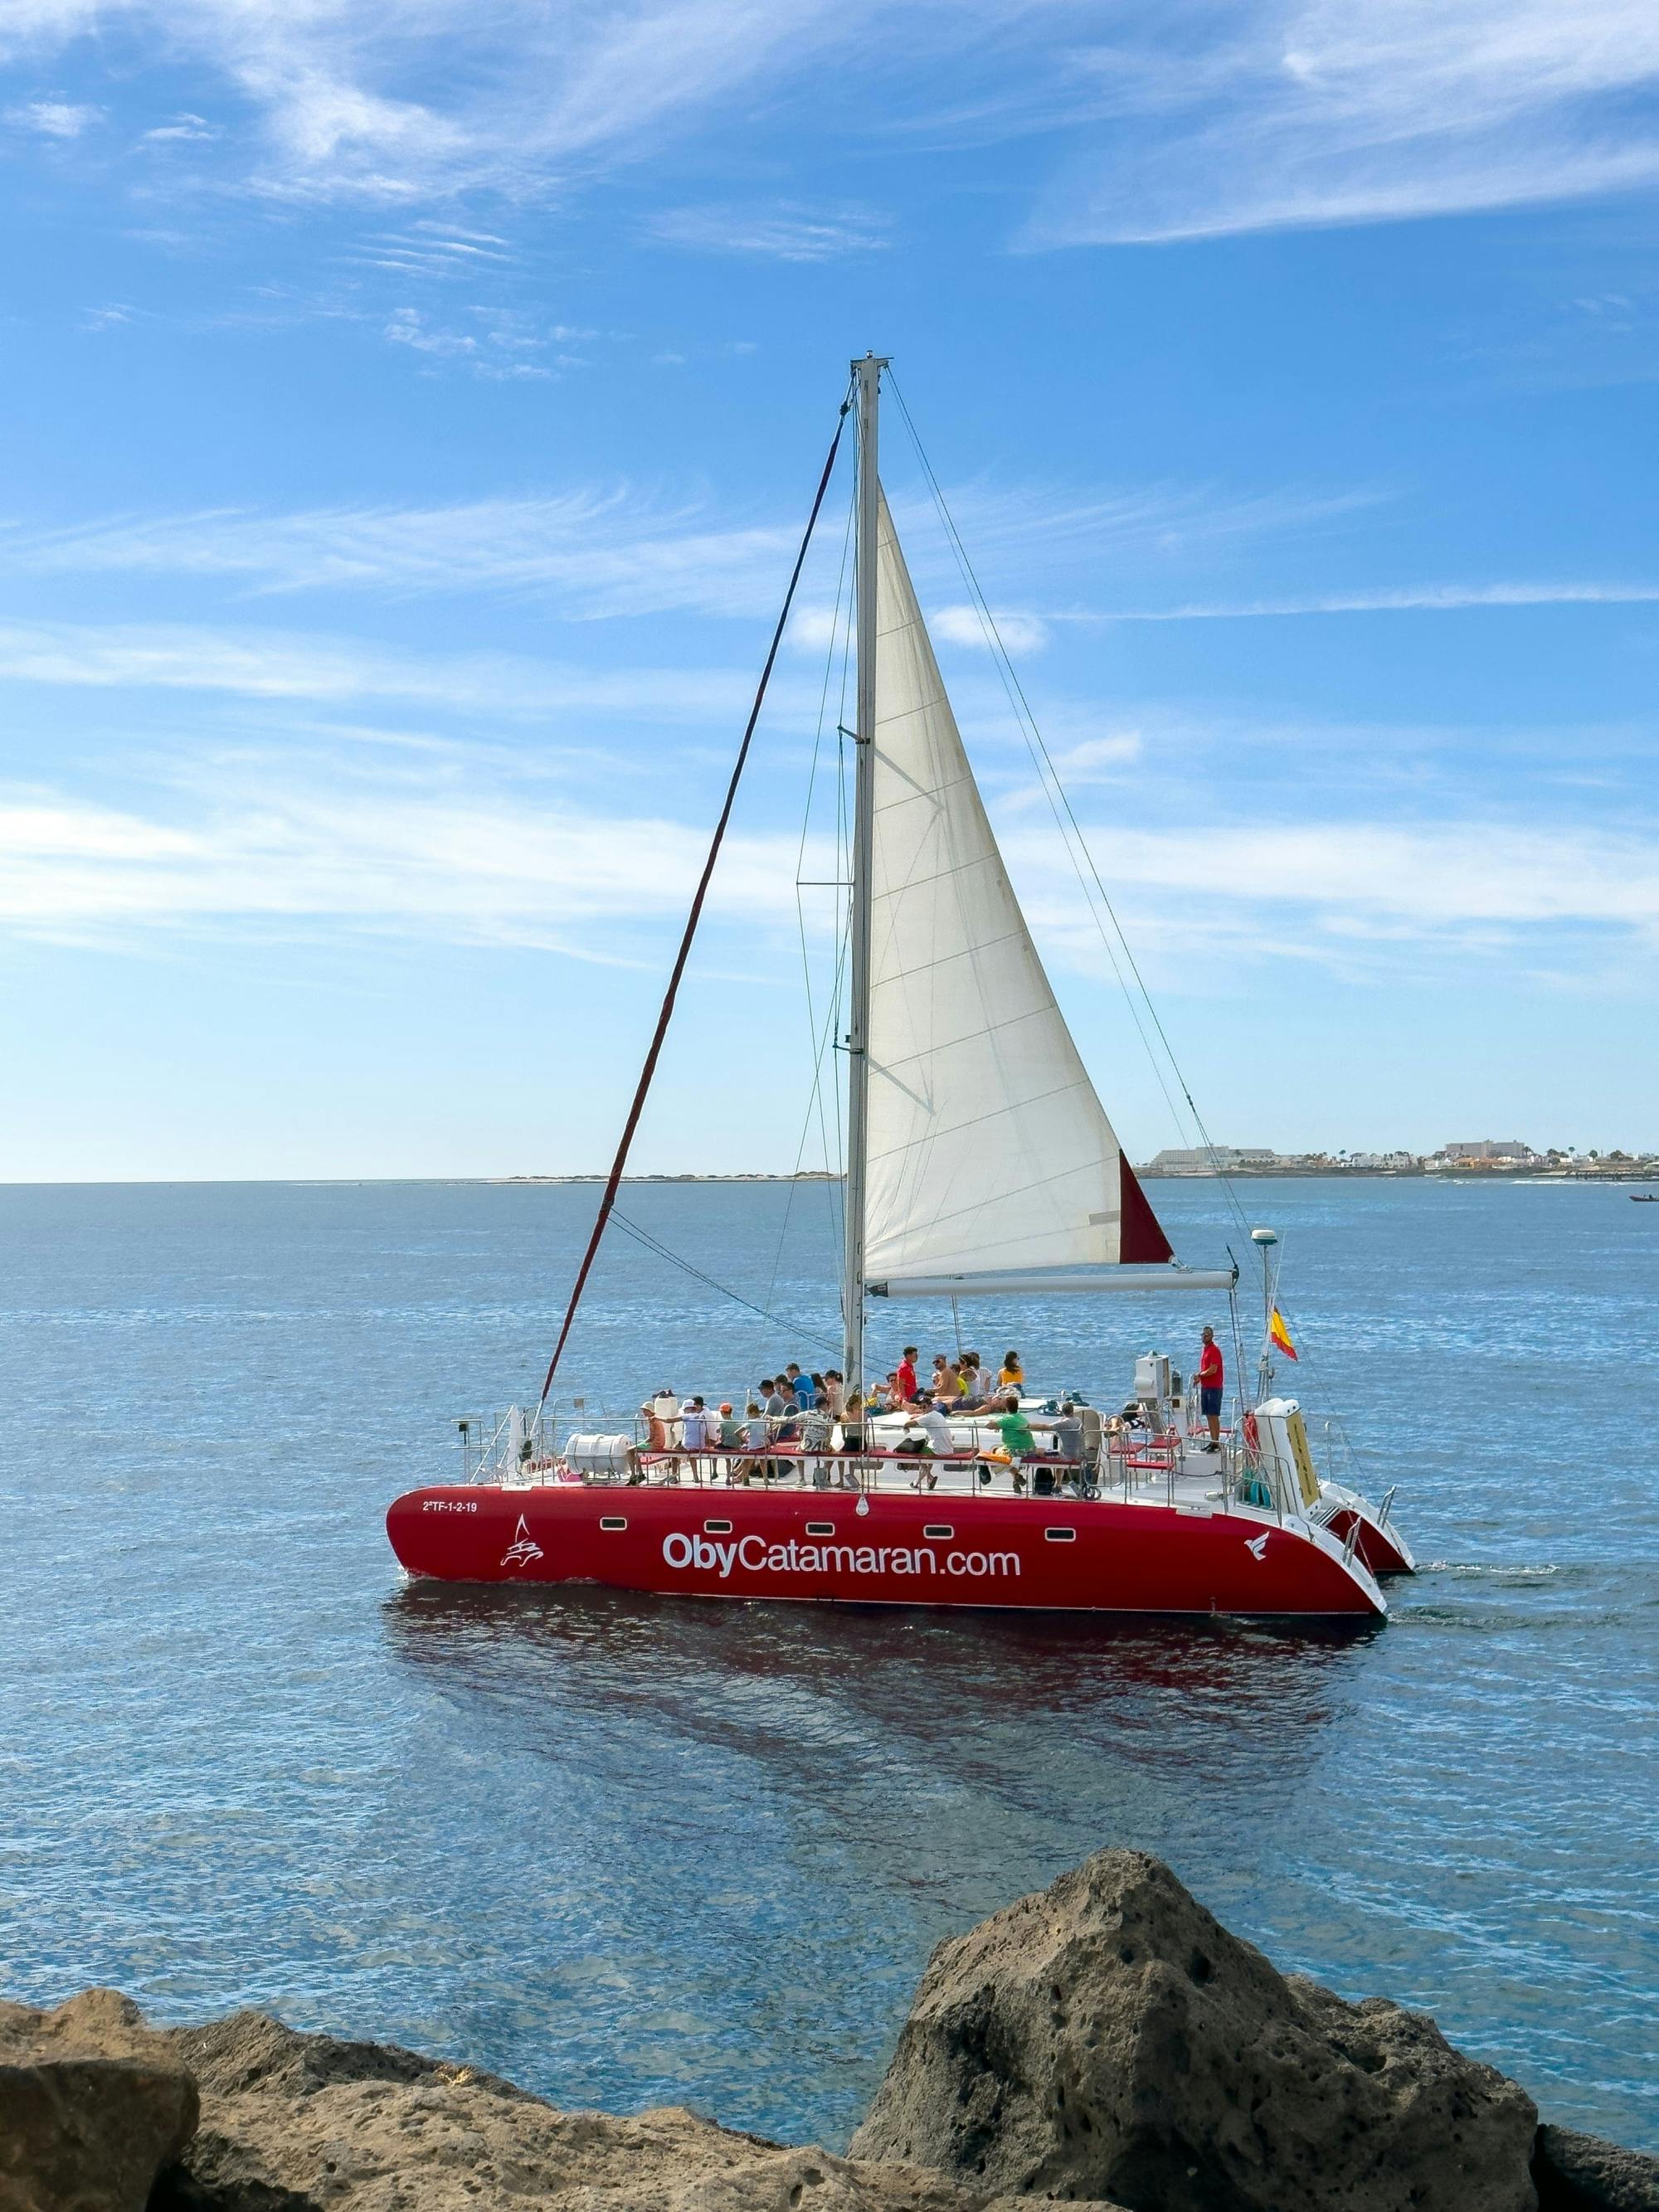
[{"x": 1015, "y": 1430}]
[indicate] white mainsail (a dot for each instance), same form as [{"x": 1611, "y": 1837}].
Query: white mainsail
[{"x": 988, "y": 1147}]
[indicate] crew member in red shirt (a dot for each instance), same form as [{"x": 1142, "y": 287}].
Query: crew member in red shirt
[
  {"x": 907, "y": 1376},
  {"x": 1210, "y": 1378}
]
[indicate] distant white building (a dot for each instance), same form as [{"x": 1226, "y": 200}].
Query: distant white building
[
  {"x": 1491, "y": 1151},
  {"x": 1174, "y": 1160}
]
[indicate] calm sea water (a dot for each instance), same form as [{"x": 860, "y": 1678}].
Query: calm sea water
[{"x": 627, "y": 1850}]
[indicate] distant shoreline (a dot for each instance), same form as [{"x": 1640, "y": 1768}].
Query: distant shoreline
[{"x": 1462, "y": 1175}]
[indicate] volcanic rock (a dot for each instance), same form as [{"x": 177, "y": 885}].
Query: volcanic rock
[
  {"x": 1108, "y": 2037},
  {"x": 82, "y": 2129},
  {"x": 294, "y": 2123},
  {"x": 1581, "y": 2173}
]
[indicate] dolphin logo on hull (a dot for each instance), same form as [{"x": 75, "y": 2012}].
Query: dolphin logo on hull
[{"x": 522, "y": 1549}]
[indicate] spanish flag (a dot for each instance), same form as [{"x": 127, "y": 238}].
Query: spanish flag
[{"x": 1280, "y": 1335}]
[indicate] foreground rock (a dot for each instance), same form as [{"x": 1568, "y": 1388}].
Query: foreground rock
[
  {"x": 89, "y": 2135},
  {"x": 1107, "y": 2043},
  {"x": 1581, "y": 2173},
  {"x": 294, "y": 2123},
  {"x": 1108, "y": 2038}
]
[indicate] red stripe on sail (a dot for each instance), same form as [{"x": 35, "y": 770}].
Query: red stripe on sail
[{"x": 1141, "y": 1241}]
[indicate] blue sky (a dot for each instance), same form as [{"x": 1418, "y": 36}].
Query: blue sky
[{"x": 411, "y": 411}]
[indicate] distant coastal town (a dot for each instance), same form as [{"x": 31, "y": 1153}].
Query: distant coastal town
[{"x": 1490, "y": 1156}]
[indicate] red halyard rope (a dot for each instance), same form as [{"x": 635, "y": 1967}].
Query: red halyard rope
[{"x": 614, "y": 1179}]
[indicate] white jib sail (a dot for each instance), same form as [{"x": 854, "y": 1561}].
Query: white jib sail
[{"x": 988, "y": 1148}]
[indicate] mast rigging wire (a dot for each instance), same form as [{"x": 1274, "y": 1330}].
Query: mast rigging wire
[
  {"x": 613, "y": 1181},
  {"x": 654, "y": 1243}
]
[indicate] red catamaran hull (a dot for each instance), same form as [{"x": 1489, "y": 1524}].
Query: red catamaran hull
[{"x": 1040, "y": 1553}]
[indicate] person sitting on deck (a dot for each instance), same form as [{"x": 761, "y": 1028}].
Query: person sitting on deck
[
  {"x": 1068, "y": 1434},
  {"x": 975, "y": 1382},
  {"x": 730, "y": 1435},
  {"x": 893, "y": 1397},
  {"x": 1015, "y": 1433},
  {"x": 758, "y": 1434},
  {"x": 852, "y": 1422},
  {"x": 773, "y": 1401},
  {"x": 663, "y": 1411},
  {"x": 1012, "y": 1375},
  {"x": 835, "y": 1391},
  {"x": 937, "y": 1429},
  {"x": 693, "y": 1425},
  {"x": 808, "y": 1388}
]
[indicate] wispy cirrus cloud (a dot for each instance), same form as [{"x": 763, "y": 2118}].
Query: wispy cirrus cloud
[
  {"x": 785, "y": 232},
  {"x": 392, "y": 106},
  {"x": 1168, "y": 123},
  {"x": 1289, "y": 114},
  {"x": 619, "y": 551},
  {"x": 1408, "y": 598},
  {"x": 295, "y": 665},
  {"x": 465, "y": 853},
  {"x": 468, "y": 848}
]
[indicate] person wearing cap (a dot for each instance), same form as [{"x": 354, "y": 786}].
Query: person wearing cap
[
  {"x": 731, "y": 1428},
  {"x": 937, "y": 1429}
]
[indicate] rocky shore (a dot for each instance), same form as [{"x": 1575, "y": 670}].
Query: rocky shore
[{"x": 1105, "y": 2043}]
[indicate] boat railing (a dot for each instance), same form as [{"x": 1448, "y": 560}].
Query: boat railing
[{"x": 1341, "y": 1460}]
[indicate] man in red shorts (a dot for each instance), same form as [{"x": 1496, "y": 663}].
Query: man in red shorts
[{"x": 1212, "y": 1376}]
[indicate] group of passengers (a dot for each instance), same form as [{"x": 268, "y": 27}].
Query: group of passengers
[
  {"x": 797, "y": 1413},
  {"x": 966, "y": 1384}
]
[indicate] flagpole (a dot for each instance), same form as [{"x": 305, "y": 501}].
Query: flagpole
[{"x": 1266, "y": 1240}]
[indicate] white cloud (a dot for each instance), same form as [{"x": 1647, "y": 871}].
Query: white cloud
[
  {"x": 1404, "y": 600},
  {"x": 618, "y": 552},
  {"x": 1093, "y": 760},
  {"x": 477, "y": 858},
  {"x": 1423, "y": 877},
  {"x": 1291, "y": 113},
  {"x": 459, "y": 842},
  {"x": 183, "y": 131},
  {"x": 962, "y": 625},
  {"x": 425, "y": 98},
  {"x": 293, "y": 666},
  {"x": 409, "y": 326},
  {"x": 53, "y": 118},
  {"x": 783, "y": 232},
  {"x": 1194, "y": 121}
]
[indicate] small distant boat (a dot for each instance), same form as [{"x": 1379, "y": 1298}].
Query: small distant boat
[
  {"x": 980, "y": 1163},
  {"x": 1645, "y": 1198}
]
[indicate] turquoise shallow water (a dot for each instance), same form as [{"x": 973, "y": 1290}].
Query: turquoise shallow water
[{"x": 627, "y": 1850}]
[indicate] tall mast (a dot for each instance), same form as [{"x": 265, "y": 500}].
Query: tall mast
[{"x": 868, "y": 374}]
